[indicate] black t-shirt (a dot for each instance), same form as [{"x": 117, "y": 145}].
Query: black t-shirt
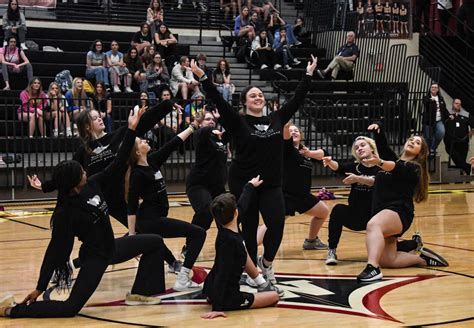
[
  {"x": 210, "y": 168},
  {"x": 231, "y": 255},
  {"x": 458, "y": 127},
  {"x": 100, "y": 104},
  {"x": 86, "y": 216},
  {"x": 258, "y": 141},
  {"x": 297, "y": 170},
  {"x": 138, "y": 37},
  {"x": 147, "y": 183}
]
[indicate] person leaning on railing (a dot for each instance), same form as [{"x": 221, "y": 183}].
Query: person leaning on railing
[{"x": 33, "y": 100}]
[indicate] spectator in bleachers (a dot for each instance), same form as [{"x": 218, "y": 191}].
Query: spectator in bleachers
[
  {"x": 14, "y": 61},
  {"x": 379, "y": 17},
  {"x": 170, "y": 125},
  {"x": 221, "y": 79},
  {"x": 96, "y": 63},
  {"x": 77, "y": 100},
  {"x": 14, "y": 24},
  {"x": 395, "y": 18},
  {"x": 165, "y": 43},
  {"x": 387, "y": 16},
  {"x": 360, "y": 17},
  {"x": 242, "y": 27},
  {"x": 265, "y": 55},
  {"x": 299, "y": 31},
  {"x": 403, "y": 19},
  {"x": 201, "y": 60},
  {"x": 55, "y": 111},
  {"x": 144, "y": 102},
  {"x": 274, "y": 26},
  {"x": 157, "y": 75},
  {"x": 182, "y": 79},
  {"x": 345, "y": 59},
  {"x": 147, "y": 57},
  {"x": 256, "y": 23},
  {"x": 262, "y": 7},
  {"x": 142, "y": 38},
  {"x": 444, "y": 13},
  {"x": 134, "y": 65},
  {"x": 458, "y": 132},
  {"x": 369, "y": 18},
  {"x": 154, "y": 15},
  {"x": 197, "y": 104},
  {"x": 434, "y": 114},
  {"x": 102, "y": 103},
  {"x": 117, "y": 68},
  {"x": 227, "y": 5},
  {"x": 33, "y": 100},
  {"x": 282, "y": 49}
]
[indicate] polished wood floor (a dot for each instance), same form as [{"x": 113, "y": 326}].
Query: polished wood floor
[{"x": 316, "y": 294}]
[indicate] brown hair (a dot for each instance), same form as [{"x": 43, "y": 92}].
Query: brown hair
[
  {"x": 84, "y": 127},
  {"x": 132, "y": 161},
  {"x": 243, "y": 96},
  {"x": 223, "y": 208},
  {"x": 421, "y": 191}
]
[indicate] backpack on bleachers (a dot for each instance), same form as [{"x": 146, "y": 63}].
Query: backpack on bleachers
[
  {"x": 243, "y": 49},
  {"x": 64, "y": 79}
]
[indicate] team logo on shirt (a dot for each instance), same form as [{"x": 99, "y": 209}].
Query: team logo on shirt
[
  {"x": 327, "y": 293},
  {"x": 94, "y": 201},
  {"x": 100, "y": 149},
  {"x": 261, "y": 127},
  {"x": 158, "y": 175}
]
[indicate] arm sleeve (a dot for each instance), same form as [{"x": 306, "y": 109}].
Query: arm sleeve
[
  {"x": 133, "y": 194},
  {"x": 244, "y": 200},
  {"x": 346, "y": 167},
  {"x": 157, "y": 158},
  {"x": 385, "y": 152},
  {"x": 406, "y": 171},
  {"x": 292, "y": 105},
  {"x": 231, "y": 120},
  {"x": 153, "y": 116},
  {"x": 225, "y": 264},
  {"x": 48, "y": 186},
  {"x": 58, "y": 251}
]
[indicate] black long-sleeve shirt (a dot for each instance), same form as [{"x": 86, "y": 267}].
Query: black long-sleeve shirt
[
  {"x": 86, "y": 216},
  {"x": 297, "y": 170},
  {"x": 231, "y": 255},
  {"x": 147, "y": 183},
  {"x": 210, "y": 168},
  {"x": 258, "y": 141}
]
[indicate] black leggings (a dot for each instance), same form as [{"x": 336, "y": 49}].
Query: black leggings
[
  {"x": 172, "y": 228},
  {"x": 201, "y": 198},
  {"x": 149, "y": 279},
  {"x": 350, "y": 217},
  {"x": 270, "y": 202}
]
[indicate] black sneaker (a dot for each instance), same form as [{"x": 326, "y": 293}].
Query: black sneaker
[
  {"x": 432, "y": 259},
  {"x": 370, "y": 273},
  {"x": 320, "y": 74}
]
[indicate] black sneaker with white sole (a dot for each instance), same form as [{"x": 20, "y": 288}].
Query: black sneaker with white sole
[
  {"x": 432, "y": 258},
  {"x": 369, "y": 274}
]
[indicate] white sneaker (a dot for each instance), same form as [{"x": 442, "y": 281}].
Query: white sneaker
[
  {"x": 331, "y": 258},
  {"x": 128, "y": 89},
  {"x": 183, "y": 282},
  {"x": 117, "y": 88},
  {"x": 68, "y": 132},
  {"x": 287, "y": 67},
  {"x": 267, "y": 272},
  {"x": 55, "y": 133},
  {"x": 277, "y": 66},
  {"x": 24, "y": 47},
  {"x": 7, "y": 301},
  {"x": 263, "y": 66},
  {"x": 296, "y": 62}
]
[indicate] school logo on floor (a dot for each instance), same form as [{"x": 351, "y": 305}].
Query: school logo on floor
[{"x": 329, "y": 293}]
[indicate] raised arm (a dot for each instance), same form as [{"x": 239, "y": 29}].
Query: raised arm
[
  {"x": 157, "y": 158},
  {"x": 154, "y": 115},
  {"x": 292, "y": 105},
  {"x": 385, "y": 152}
]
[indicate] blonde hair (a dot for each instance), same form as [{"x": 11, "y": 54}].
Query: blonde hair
[
  {"x": 370, "y": 142},
  {"x": 78, "y": 97}
]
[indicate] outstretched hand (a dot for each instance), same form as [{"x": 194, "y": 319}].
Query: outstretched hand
[
  {"x": 216, "y": 114},
  {"x": 196, "y": 69},
  {"x": 374, "y": 127},
  {"x": 134, "y": 118},
  {"x": 350, "y": 179},
  {"x": 372, "y": 160},
  {"x": 256, "y": 181},
  {"x": 213, "y": 314},
  {"x": 312, "y": 65},
  {"x": 35, "y": 182},
  {"x": 326, "y": 160},
  {"x": 178, "y": 108}
]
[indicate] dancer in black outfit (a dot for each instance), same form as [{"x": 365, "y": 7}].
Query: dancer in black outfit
[
  {"x": 208, "y": 176},
  {"x": 83, "y": 212},
  {"x": 144, "y": 180},
  {"x": 297, "y": 171},
  {"x": 258, "y": 144},
  {"x": 222, "y": 283},
  {"x": 360, "y": 176},
  {"x": 397, "y": 184}
]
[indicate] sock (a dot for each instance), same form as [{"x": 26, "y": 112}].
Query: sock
[
  {"x": 185, "y": 270},
  {"x": 266, "y": 264},
  {"x": 259, "y": 280}
]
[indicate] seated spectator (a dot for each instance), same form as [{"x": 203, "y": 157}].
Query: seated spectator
[
  {"x": 299, "y": 30},
  {"x": 242, "y": 27},
  {"x": 433, "y": 117},
  {"x": 265, "y": 56},
  {"x": 345, "y": 59},
  {"x": 154, "y": 15},
  {"x": 165, "y": 43},
  {"x": 134, "y": 64},
  {"x": 117, "y": 68},
  {"x": 458, "y": 131},
  {"x": 55, "y": 111},
  {"x": 227, "y": 5},
  {"x": 221, "y": 79},
  {"x": 102, "y": 103},
  {"x": 157, "y": 75},
  {"x": 77, "y": 100},
  {"x": 197, "y": 104},
  {"x": 256, "y": 23},
  {"x": 201, "y": 60},
  {"x": 282, "y": 49},
  {"x": 276, "y": 23},
  {"x": 96, "y": 63},
  {"x": 33, "y": 100},
  {"x": 147, "y": 57},
  {"x": 261, "y": 7},
  {"x": 14, "y": 24},
  {"x": 142, "y": 38},
  {"x": 170, "y": 125},
  {"x": 14, "y": 61},
  {"x": 182, "y": 79},
  {"x": 144, "y": 102}
]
